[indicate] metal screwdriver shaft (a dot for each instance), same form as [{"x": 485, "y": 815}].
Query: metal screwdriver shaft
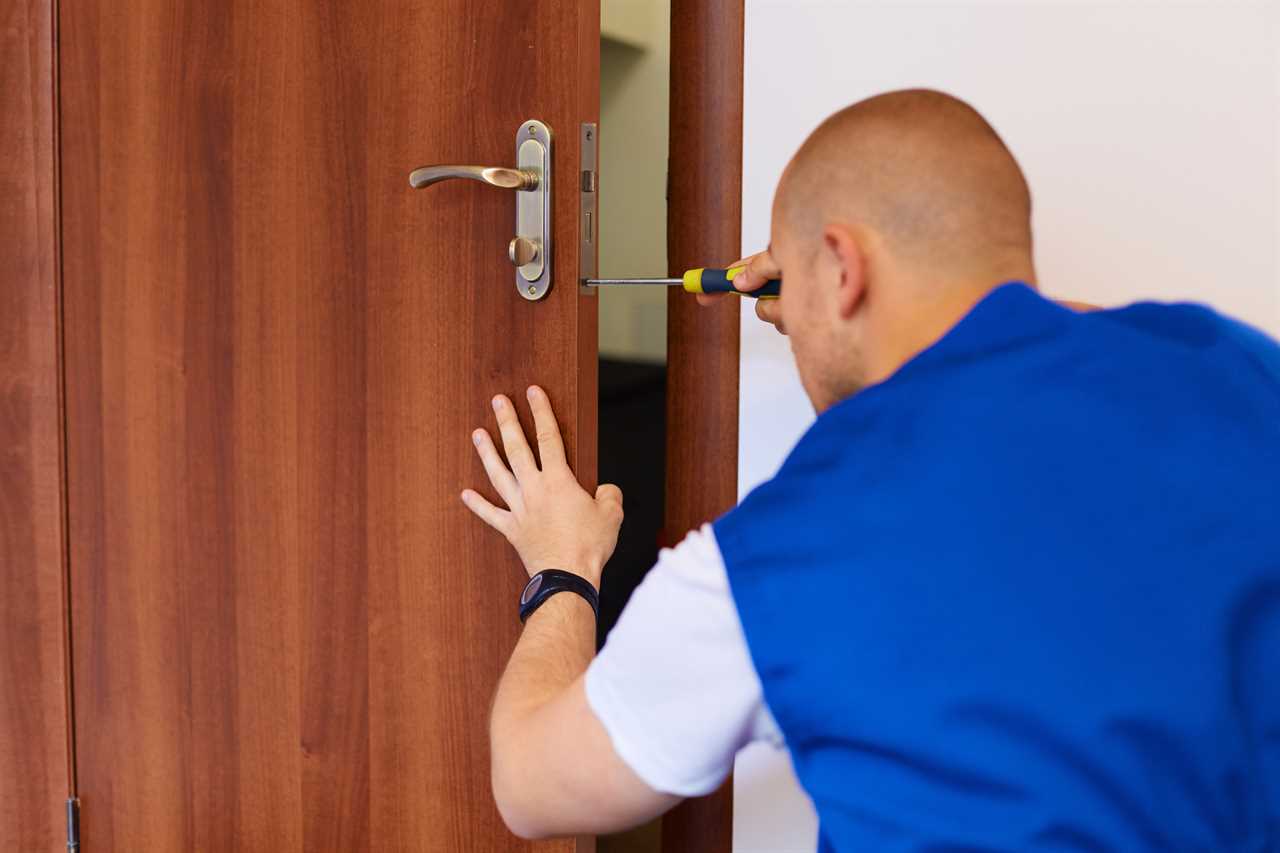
[
  {"x": 664, "y": 282},
  {"x": 699, "y": 281}
]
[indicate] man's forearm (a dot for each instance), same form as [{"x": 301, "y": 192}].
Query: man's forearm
[
  {"x": 558, "y": 642},
  {"x": 555, "y": 648},
  {"x": 555, "y": 770}
]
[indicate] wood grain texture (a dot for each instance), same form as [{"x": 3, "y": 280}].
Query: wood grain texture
[
  {"x": 288, "y": 627},
  {"x": 35, "y": 770},
  {"x": 704, "y": 228}
]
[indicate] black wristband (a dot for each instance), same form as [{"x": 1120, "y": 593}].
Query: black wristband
[{"x": 548, "y": 582}]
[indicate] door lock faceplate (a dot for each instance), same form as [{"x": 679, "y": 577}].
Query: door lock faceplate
[{"x": 589, "y": 225}]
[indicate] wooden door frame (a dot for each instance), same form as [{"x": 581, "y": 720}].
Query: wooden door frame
[
  {"x": 35, "y": 703},
  {"x": 704, "y": 227}
]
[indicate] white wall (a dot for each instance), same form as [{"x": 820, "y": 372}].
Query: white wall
[{"x": 1150, "y": 134}]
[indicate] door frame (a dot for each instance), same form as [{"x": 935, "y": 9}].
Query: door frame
[{"x": 704, "y": 227}]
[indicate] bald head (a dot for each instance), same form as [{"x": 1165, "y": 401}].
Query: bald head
[
  {"x": 923, "y": 170},
  {"x": 896, "y": 216}
]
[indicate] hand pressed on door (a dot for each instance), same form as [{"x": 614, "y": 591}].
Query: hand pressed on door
[
  {"x": 551, "y": 521},
  {"x": 555, "y": 770}
]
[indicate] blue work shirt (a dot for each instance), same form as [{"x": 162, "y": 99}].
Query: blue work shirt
[{"x": 1025, "y": 594}]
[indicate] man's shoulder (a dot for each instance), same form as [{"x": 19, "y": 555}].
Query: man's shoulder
[
  {"x": 1196, "y": 327},
  {"x": 1203, "y": 333}
]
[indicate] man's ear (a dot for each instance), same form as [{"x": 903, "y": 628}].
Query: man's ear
[{"x": 843, "y": 250}]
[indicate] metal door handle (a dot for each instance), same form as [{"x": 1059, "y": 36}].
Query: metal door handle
[
  {"x": 494, "y": 176},
  {"x": 530, "y": 250}
]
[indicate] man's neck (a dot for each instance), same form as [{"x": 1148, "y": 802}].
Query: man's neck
[{"x": 913, "y": 323}]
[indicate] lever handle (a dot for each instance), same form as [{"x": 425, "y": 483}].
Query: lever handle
[
  {"x": 530, "y": 251},
  {"x": 494, "y": 176}
]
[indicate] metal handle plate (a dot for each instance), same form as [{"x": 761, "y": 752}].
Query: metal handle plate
[{"x": 530, "y": 249}]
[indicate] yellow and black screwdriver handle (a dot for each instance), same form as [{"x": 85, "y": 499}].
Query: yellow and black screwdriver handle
[{"x": 721, "y": 281}]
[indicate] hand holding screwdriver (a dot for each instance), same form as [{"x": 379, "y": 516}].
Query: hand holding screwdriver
[{"x": 760, "y": 268}]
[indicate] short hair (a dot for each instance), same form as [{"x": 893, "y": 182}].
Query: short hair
[{"x": 921, "y": 167}]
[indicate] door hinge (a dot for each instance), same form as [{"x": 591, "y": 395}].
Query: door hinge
[{"x": 73, "y": 825}]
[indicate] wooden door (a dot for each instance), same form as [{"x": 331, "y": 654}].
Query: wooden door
[{"x": 286, "y": 628}]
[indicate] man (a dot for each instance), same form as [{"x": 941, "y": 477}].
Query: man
[{"x": 1018, "y": 587}]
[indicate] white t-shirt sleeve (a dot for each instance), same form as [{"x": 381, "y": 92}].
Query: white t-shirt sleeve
[{"x": 674, "y": 685}]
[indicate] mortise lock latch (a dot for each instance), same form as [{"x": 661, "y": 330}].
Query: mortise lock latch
[{"x": 530, "y": 250}]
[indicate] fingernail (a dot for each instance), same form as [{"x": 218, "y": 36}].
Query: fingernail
[
  {"x": 532, "y": 392},
  {"x": 477, "y": 436},
  {"x": 497, "y": 403}
]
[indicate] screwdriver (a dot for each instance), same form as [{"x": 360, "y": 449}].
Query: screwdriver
[{"x": 702, "y": 281}]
